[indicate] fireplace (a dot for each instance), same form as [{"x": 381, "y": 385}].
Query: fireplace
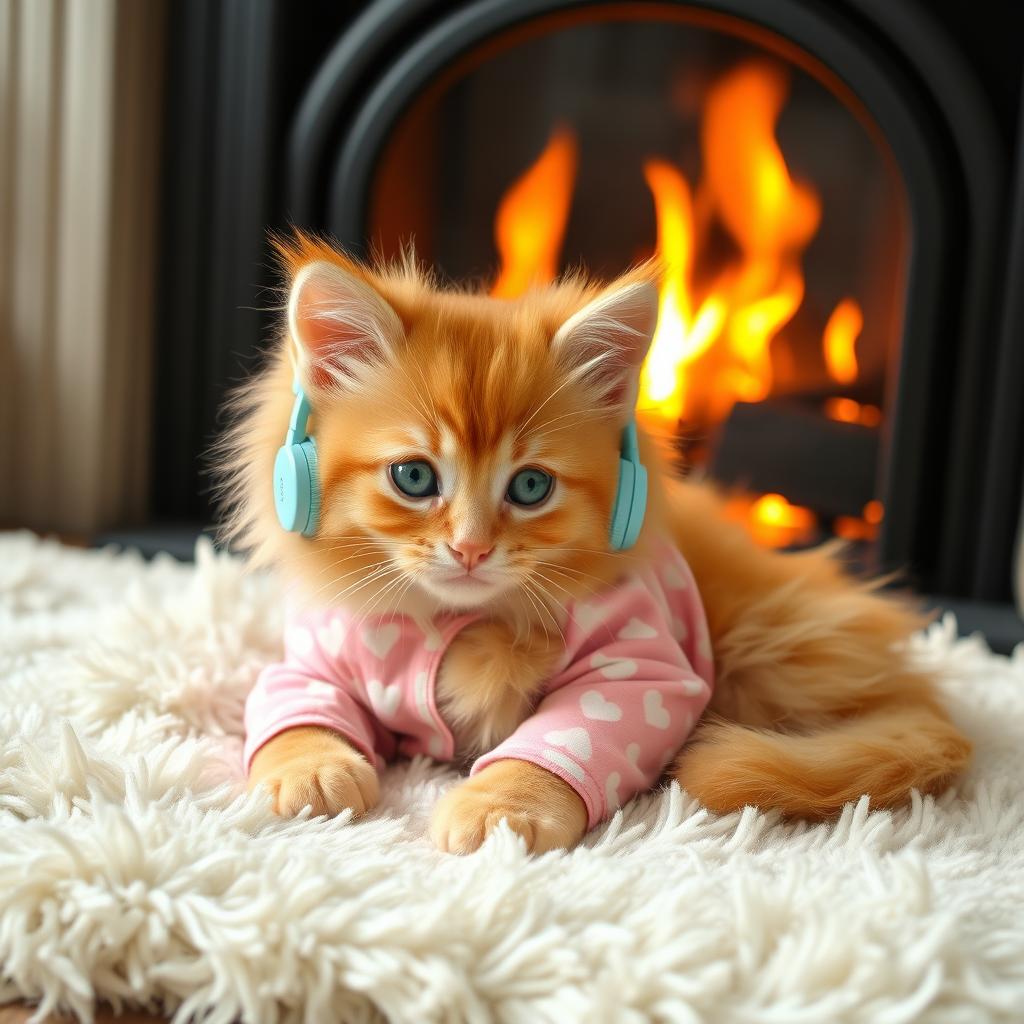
[{"x": 827, "y": 188}]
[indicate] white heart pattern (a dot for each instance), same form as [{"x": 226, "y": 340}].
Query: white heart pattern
[
  {"x": 611, "y": 790},
  {"x": 331, "y": 638},
  {"x": 693, "y": 686},
  {"x": 588, "y": 615},
  {"x": 613, "y": 668},
  {"x": 633, "y": 754},
  {"x": 673, "y": 578},
  {"x": 557, "y": 757},
  {"x": 383, "y": 699},
  {"x": 680, "y": 631},
  {"x": 299, "y": 640},
  {"x": 598, "y": 709},
  {"x": 576, "y": 741},
  {"x": 654, "y": 713},
  {"x": 380, "y": 639},
  {"x": 319, "y": 688},
  {"x": 635, "y": 629}
]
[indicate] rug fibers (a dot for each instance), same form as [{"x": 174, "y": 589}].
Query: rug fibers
[{"x": 135, "y": 870}]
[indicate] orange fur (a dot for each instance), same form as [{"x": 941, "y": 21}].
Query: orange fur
[
  {"x": 543, "y": 809},
  {"x": 815, "y": 701},
  {"x": 310, "y": 766},
  {"x": 489, "y": 680}
]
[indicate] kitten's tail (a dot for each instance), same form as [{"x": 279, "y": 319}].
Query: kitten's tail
[{"x": 816, "y": 699}]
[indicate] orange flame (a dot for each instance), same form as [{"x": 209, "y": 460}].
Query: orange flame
[
  {"x": 772, "y": 520},
  {"x": 680, "y": 337},
  {"x": 531, "y": 219},
  {"x": 841, "y": 333},
  {"x": 846, "y": 410},
  {"x": 711, "y": 351}
]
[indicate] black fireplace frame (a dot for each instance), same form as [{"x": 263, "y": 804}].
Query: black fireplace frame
[
  {"x": 384, "y": 62},
  {"x": 270, "y": 117}
]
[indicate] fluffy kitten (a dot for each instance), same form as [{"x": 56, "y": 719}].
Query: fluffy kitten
[{"x": 815, "y": 702}]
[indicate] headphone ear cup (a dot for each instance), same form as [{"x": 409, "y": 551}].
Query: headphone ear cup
[
  {"x": 630, "y": 505},
  {"x": 637, "y": 506},
  {"x": 621, "y": 509},
  {"x": 297, "y": 487},
  {"x": 313, "y": 474}
]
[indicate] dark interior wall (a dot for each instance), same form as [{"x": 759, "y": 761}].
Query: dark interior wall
[{"x": 236, "y": 72}]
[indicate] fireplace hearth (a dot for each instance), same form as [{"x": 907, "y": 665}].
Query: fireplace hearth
[{"x": 833, "y": 192}]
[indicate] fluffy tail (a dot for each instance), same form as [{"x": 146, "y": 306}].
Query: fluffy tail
[{"x": 816, "y": 702}]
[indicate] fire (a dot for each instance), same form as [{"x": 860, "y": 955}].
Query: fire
[
  {"x": 714, "y": 333},
  {"x": 712, "y": 344},
  {"x": 772, "y": 520},
  {"x": 865, "y": 528},
  {"x": 531, "y": 219},
  {"x": 841, "y": 333},
  {"x": 680, "y": 336},
  {"x": 846, "y": 410}
]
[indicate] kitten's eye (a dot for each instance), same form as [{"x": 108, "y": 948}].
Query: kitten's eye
[
  {"x": 529, "y": 487},
  {"x": 416, "y": 479}
]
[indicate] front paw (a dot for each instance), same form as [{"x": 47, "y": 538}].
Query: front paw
[
  {"x": 539, "y": 806},
  {"x": 309, "y": 766}
]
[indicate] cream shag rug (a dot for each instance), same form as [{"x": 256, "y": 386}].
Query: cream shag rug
[{"x": 134, "y": 868}]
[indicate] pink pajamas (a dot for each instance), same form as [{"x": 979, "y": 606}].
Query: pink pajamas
[{"x": 633, "y": 680}]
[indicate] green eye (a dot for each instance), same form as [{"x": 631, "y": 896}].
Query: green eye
[
  {"x": 416, "y": 479},
  {"x": 529, "y": 487}
]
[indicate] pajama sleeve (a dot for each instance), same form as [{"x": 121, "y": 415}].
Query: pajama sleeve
[
  {"x": 615, "y": 716},
  {"x": 309, "y": 688}
]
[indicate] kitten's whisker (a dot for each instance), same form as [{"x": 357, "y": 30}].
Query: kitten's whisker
[
  {"x": 533, "y": 601},
  {"x": 624, "y": 555},
  {"x": 313, "y": 601},
  {"x": 356, "y": 542},
  {"x": 334, "y": 580},
  {"x": 386, "y": 569},
  {"x": 390, "y": 586},
  {"x": 569, "y": 570},
  {"x": 540, "y": 597},
  {"x": 365, "y": 583},
  {"x": 344, "y": 560}
]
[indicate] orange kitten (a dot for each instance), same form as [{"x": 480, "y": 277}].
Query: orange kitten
[{"x": 814, "y": 700}]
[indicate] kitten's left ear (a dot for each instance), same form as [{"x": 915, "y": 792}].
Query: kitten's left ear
[{"x": 605, "y": 343}]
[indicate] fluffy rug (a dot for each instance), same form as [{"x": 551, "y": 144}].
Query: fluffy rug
[{"x": 133, "y": 868}]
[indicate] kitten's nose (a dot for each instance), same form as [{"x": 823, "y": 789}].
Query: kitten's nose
[{"x": 470, "y": 552}]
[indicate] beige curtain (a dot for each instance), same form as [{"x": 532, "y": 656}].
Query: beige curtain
[{"x": 80, "y": 92}]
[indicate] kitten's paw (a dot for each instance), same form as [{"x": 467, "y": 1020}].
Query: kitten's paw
[
  {"x": 314, "y": 767},
  {"x": 543, "y": 809}
]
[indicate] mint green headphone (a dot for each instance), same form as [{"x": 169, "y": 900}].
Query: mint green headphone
[
  {"x": 297, "y": 481},
  {"x": 296, "y": 476}
]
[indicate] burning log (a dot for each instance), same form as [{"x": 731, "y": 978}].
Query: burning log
[{"x": 784, "y": 448}]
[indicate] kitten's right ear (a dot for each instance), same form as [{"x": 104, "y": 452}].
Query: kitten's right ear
[{"x": 339, "y": 324}]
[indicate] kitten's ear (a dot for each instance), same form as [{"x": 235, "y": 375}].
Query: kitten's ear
[
  {"x": 339, "y": 323},
  {"x": 605, "y": 343}
]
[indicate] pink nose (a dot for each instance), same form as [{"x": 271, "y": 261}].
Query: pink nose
[{"x": 470, "y": 553}]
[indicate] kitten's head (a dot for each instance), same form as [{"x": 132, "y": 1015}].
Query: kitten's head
[{"x": 468, "y": 447}]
